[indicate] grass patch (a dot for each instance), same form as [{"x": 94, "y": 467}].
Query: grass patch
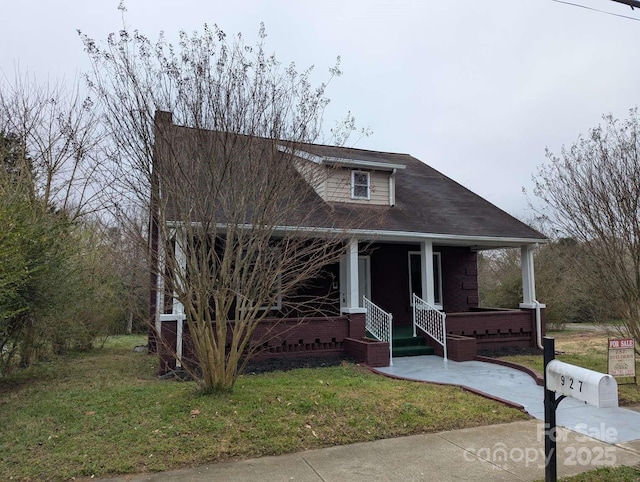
[
  {"x": 105, "y": 412},
  {"x": 585, "y": 349},
  {"x": 610, "y": 474}
]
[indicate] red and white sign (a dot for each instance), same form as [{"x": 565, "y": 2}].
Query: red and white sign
[{"x": 622, "y": 357}]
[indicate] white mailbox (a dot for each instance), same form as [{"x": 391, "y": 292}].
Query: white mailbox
[{"x": 595, "y": 388}]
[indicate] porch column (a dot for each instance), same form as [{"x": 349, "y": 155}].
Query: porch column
[
  {"x": 161, "y": 269},
  {"x": 178, "y": 307},
  {"x": 352, "y": 304},
  {"x": 353, "y": 282},
  {"x": 426, "y": 272},
  {"x": 528, "y": 277}
]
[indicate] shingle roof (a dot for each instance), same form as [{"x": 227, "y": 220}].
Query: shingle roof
[{"x": 427, "y": 202}]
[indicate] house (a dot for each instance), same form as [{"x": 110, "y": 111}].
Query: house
[{"x": 409, "y": 266}]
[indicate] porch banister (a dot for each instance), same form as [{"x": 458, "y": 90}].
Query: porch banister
[{"x": 426, "y": 272}]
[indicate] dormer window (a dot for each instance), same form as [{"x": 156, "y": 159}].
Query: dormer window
[{"x": 360, "y": 185}]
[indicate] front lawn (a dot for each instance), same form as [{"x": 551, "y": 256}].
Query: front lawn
[
  {"x": 105, "y": 412},
  {"x": 610, "y": 474}
]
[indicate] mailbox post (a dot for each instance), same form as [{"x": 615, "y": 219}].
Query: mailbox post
[
  {"x": 589, "y": 386},
  {"x": 550, "y": 404}
]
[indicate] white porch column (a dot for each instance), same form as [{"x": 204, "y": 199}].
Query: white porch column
[
  {"x": 528, "y": 277},
  {"x": 351, "y": 288},
  {"x": 178, "y": 307},
  {"x": 160, "y": 286},
  {"x": 353, "y": 283},
  {"x": 426, "y": 272}
]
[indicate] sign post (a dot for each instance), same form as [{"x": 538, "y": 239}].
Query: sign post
[{"x": 591, "y": 387}]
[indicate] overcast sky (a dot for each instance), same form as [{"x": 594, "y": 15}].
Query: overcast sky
[{"x": 476, "y": 89}]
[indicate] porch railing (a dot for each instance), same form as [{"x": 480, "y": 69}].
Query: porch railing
[
  {"x": 378, "y": 323},
  {"x": 430, "y": 320}
]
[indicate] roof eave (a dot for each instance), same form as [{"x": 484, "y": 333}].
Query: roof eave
[{"x": 477, "y": 243}]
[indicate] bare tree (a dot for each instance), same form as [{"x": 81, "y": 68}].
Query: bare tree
[
  {"x": 592, "y": 195},
  {"x": 236, "y": 223},
  {"x": 58, "y": 127},
  {"x": 49, "y": 173}
]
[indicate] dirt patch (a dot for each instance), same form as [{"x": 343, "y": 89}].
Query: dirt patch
[{"x": 284, "y": 364}]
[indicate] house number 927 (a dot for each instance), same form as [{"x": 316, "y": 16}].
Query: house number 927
[{"x": 570, "y": 382}]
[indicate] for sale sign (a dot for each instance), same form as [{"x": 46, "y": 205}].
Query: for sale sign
[{"x": 622, "y": 357}]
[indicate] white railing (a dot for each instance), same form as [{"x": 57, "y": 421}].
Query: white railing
[
  {"x": 430, "y": 320},
  {"x": 378, "y": 323}
]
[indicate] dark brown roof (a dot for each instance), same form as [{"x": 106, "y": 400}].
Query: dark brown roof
[{"x": 427, "y": 202}]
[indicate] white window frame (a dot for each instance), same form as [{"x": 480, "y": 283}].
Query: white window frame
[
  {"x": 353, "y": 185},
  {"x": 437, "y": 272}
]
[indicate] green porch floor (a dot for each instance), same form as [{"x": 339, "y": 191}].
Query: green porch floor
[{"x": 405, "y": 344}]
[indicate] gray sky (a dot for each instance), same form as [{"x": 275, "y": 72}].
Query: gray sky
[{"x": 475, "y": 89}]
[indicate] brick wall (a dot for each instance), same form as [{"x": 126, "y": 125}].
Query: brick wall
[
  {"x": 373, "y": 353},
  {"x": 390, "y": 279},
  {"x": 459, "y": 278},
  {"x": 496, "y": 329},
  {"x": 273, "y": 337}
]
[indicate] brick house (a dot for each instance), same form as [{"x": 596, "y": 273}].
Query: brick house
[{"x": 410, "y": 273}]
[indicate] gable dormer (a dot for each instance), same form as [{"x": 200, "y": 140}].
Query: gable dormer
[{"x": 348, "y": 180}]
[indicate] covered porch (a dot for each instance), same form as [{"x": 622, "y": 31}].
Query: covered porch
[
  {"x": 417, "y": 296},
  {"x": 429, "y": 288}
]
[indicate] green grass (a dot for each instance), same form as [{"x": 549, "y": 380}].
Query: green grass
[
  {"x": 610, "y": 474},
  {"x": 585, "y": 349},
  {"x": 105, "y": 412}
]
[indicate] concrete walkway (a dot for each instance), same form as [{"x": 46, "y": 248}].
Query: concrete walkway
[
  {"x": 506, "y": 452},
  {"x": 610, "y": 425}
]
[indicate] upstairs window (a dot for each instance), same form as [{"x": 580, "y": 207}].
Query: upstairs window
[{"x": 360, "y": 185}]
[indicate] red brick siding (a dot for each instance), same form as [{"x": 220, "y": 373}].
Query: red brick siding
[
  {"x": 459, "y": 278},
  {"x": 459, "y": 348},
  {"x": 373, "y": 353},
  {"x": 286, "y": 337},
  {"x": 390, "y": 279},
  {"x": 495, "y": 329}
]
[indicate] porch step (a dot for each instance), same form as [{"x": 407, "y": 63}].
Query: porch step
[
  {"x": 405, "y": 344},
  {"x": 416, "y": 350}
]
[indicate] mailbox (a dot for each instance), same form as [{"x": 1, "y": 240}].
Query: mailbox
[{"x": 594, "y": 388}]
